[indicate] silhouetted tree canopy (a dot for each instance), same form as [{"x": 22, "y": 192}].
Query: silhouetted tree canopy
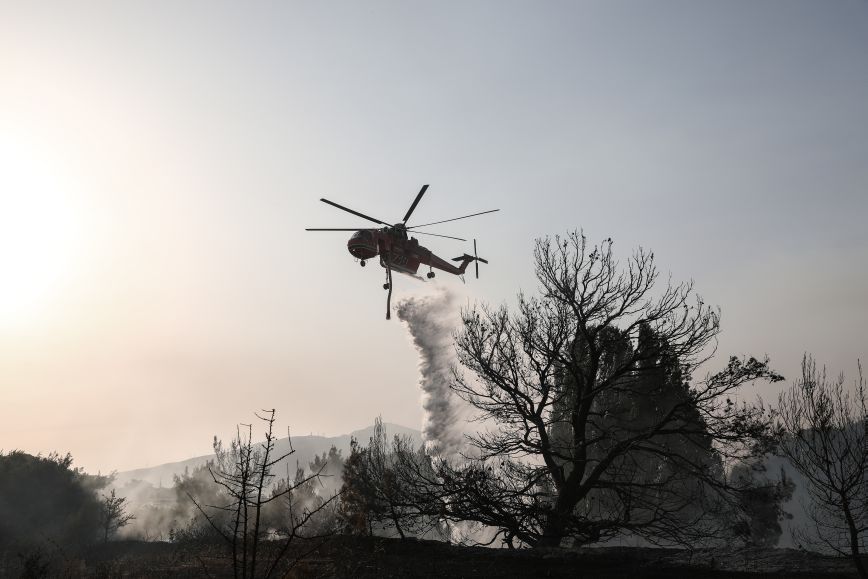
[
  {"x": 46, "y": 499},
  {"x": 383, "y": 492}
]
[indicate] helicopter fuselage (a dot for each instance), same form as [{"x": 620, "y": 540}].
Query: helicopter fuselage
[{"x": 398, "y": 252}]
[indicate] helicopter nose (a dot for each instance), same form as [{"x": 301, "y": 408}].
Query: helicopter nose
[
  {"x": 362, "y": 252},
  {"x": 360, "y": 249}
]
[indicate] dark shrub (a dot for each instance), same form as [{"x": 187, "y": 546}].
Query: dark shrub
[{"x": 44, "y": 499}]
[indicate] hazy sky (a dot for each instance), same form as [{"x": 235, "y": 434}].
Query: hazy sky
[{"x": 160, "y": 160}]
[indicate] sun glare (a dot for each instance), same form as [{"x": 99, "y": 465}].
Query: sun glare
[{"x": 37, "y": 235}]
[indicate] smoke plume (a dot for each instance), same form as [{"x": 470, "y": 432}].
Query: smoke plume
[{"x": 430, "y": 320}]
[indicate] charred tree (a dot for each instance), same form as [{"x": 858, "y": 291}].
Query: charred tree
[
  {"x": 823, "y": 430},
  {"x": 243, "y": 473},
  {"x": 600, "y": 430}
]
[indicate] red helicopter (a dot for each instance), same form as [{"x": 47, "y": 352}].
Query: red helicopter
[{"x": 397, "y": 250}]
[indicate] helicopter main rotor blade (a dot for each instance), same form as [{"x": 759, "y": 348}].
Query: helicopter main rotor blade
[
  {"x": 415, "y": 203},
  {"x": 339, "y": 229},
  {"x": 348, "y": 210},
  {"x": 454, "y": 218},
  {"x": 438, "y": 235}
]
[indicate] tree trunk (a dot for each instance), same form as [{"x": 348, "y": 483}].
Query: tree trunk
[
  {"x": 553, "y": 530},
  {"x": 556, "y": 522},
  {"x": 854, "y": 542},
  {"x": 552, "y": 536},
  {"x": 397, "y": 521}
]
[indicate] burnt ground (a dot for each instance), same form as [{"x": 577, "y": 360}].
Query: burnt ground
[{"x": 372, "y": 557}]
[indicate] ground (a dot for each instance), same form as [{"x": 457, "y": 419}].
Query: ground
[{"x": 371, "y": 557}]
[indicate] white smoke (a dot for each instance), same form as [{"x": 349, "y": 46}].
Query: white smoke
[{"x": 431, "y": 320}]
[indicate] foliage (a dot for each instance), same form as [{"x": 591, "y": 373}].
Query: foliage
[
  {"x": 330, "y": 467},
  {"x": 114, "y": 514},
  {"x": 46, "y": 499},
  {"x": 192, "y": 524},
  {"x": 381, "y": 492}
]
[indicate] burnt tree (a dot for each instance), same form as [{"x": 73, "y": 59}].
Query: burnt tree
[
  {"x": 243, "y": 492},
  {"x": 600, "y": 430},
  {"x": 823, "y": 428}
]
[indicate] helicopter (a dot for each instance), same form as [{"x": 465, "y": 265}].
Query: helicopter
[{"x": 397, "y": 250}]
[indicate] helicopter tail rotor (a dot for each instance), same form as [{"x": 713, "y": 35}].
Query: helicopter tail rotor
[
  {"x": 474, "y": 258},
  {"x": 477, "y": 259}
]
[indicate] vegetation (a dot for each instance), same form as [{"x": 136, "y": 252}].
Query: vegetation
[
  {"x": 50, "y": 511},
  {"x": 823, "y": 430},
  {"x": 383, "y": 491},
  {"x": 600, "y": 430},
  {"x": 114, "y": 514},
  {"x": 243, "y": 493},
  {"x": 44, "y": 500},
  {"x": 307, "y": 505}
]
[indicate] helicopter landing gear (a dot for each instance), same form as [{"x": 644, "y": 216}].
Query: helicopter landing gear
[
  {"x": 362, "y": 263},
  {"x": 388, "y": 286},
  {"x": 430, "y": 274}
]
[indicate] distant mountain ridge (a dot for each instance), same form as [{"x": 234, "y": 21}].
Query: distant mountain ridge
[{"x": 306, "y": 448}]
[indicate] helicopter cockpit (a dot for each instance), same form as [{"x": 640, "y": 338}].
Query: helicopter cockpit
[{"x": 363, "y": 244}]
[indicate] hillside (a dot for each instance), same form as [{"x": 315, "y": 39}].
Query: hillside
[{"x": 306, "y": 447}]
